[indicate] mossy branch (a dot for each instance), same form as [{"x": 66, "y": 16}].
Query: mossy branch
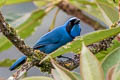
[
  {"x": 34, "y": 56},
  {"x": 11, "y": 34}
]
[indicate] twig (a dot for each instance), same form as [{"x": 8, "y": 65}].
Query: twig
[
  {"x": 18, "y": 74},
  {"x": 102, "y": 45},
  {"x": 94, "y": 48},
  {"x": 74, "y": 11},
  {"x": 54, "y": 20}
]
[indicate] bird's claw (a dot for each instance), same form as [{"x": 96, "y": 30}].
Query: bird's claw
[{"x": 65, "y": 57}]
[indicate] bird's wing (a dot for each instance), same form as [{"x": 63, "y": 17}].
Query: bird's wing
[{"x": 49, "y": 38}]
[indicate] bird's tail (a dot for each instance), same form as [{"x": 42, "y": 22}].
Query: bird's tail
[{"x": 20, "y": 61}]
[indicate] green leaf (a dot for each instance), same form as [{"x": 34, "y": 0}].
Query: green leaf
[
  {"x": 62, "y": 73},
  {"x": 88, "y": 7},
  {"x": 41, "y": 3},
  {"x": 38, "y": 78},
  {"x": 6, "y": 63},
  {"x": 111, "y": 2},
  {"x": 12, "y": 17},
  {"x": 110, "y": 60},
  {"x": 115, "y": 44},
  {"x": 10, "y": 2},
  {"x": 110, "y": 14},
  {"x": 90, "y": 68},
  {"x": 77, "y": 75},
  {"x": 91, "y": 8},
  {"x": 82, "y": 2},
  {"x": 54, "y": 20},
  {"x": 110, "y": 73},
  {"x": 75, "y": 46},
  {"x": 56, "y": 75},
  {"x": 4, "y": 43},
  {"x": 2, "y": 2},
  {"x": 25, "y": 29},
  {"x": 29, "y": 25},
  {"x": 117, "y": 77},
  {"x": 116, "y": 74},
  {"x": 19, "y": 21}
]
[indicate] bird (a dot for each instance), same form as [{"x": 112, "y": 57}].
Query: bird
[{"x": 54, "y": 39}]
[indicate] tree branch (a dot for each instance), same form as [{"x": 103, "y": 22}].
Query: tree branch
[
  {"x": 21, "y": 71},
  {"x": 10, "y": 33},
  {"x": 74, "y": 11},
  {"x": 34, "y": 56}
]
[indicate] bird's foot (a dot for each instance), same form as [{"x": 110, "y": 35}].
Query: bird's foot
[{"x": 65, "y": 57}]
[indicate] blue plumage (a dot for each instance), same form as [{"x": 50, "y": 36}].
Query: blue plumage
[
  {"x": 55, "y": 39},
  {"x": 18, "y": 62}
]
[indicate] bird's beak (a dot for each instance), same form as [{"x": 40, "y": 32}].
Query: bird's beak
[{"x": 77, "y": 21}]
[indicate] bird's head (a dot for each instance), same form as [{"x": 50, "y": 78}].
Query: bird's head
[{"x": 73, "y": 27}]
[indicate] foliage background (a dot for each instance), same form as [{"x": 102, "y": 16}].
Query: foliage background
[
  {"x": 13, "y": 13},
  {"x": 101, "y": 11}
]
